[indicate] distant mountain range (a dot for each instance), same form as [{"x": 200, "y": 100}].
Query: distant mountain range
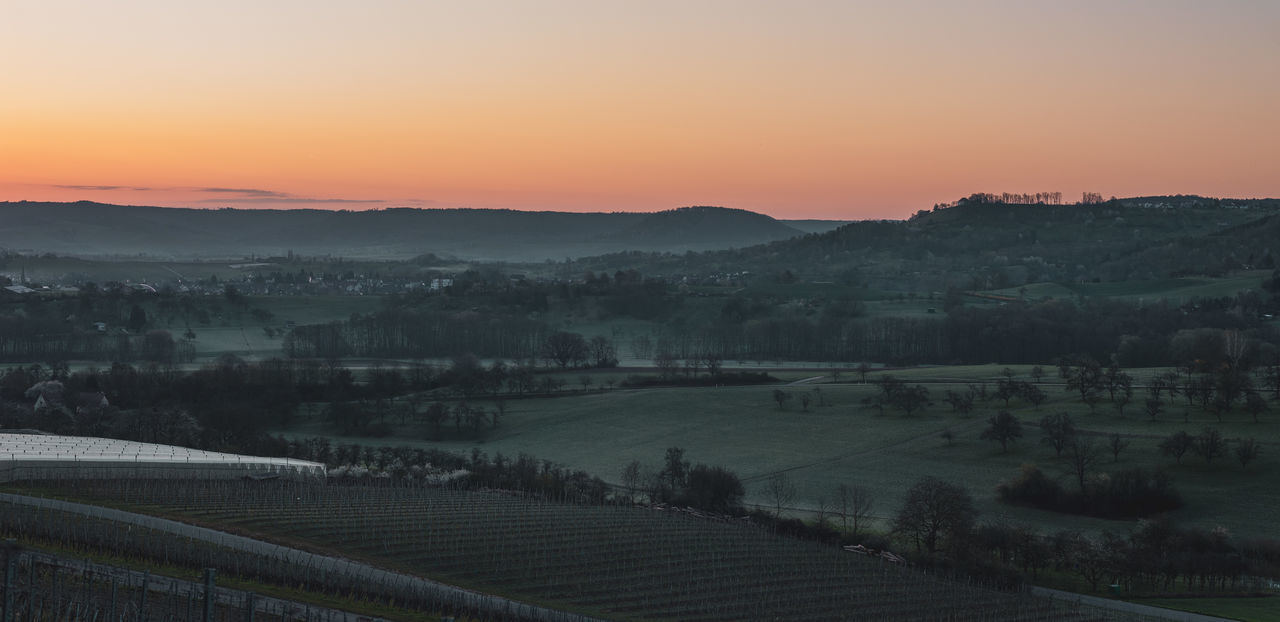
[{"x": 99, "y": 229}]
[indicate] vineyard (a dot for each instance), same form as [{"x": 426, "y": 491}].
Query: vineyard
[
  {"x": 42, "y": 586},
  {"x": 606, "y": 561}
]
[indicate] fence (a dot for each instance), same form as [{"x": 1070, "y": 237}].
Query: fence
[{"x": 44, "y": 587}]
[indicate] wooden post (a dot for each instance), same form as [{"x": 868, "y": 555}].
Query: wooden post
[
  {"x": 209, "y": 574},
  {"x": 142, "y": 597},
  {"x": 10, "y": 570}
]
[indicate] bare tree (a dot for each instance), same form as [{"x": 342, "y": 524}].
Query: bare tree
[
  {"x": 780, "y": 491},
  {"x": 935, "y": 514},
  {"x": 856, "y": 503},
  {"x": 1059, "y": 431},
  {"x": 631, "y": 478},
  {"x": 1246, "y": 451},
  {"x": 1117, "y": 444},
  {"x": 1209, "y": 445},
  {"x": 1003, "y": 428},
  {"x": 1177, "y": 445},
  {"x": 1084, "y": 455}
]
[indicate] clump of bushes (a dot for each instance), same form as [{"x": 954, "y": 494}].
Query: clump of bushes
[{"x": 1130, "y": 493}]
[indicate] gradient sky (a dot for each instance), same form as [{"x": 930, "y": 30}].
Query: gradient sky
[{"x": 837, "y": 109}]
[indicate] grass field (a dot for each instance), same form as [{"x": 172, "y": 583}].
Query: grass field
[
  {"x": 1246, "y": 609},
  {"x": 241, "y": 334},
  {"x": 1177, "y": 291},
  {"x": 743, "y": 429}
]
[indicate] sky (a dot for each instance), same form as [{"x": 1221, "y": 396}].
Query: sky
[{"x": 798, "y": 109}]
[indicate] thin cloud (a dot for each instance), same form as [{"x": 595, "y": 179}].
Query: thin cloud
[
  {"x": 287, "y": 200},
  {"x": 257, "y": 196},
  {"x": 131, "y": 188},
  {"x": 248, "y": 192}
]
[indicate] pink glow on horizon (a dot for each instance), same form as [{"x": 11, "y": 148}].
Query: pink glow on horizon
[{"x": 820, "y": 109}]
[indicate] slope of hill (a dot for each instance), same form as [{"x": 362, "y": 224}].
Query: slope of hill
[
  {"x": 707, "y": 227},
  {"x": 86, "y": 228},
  {"x": 991, "y": 246}
]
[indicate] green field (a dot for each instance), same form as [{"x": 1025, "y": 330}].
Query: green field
[
  {"x": 1246, "y": 609},
  {"x": 845, "y": 442},
  {"x": 1177, "y": 291}
]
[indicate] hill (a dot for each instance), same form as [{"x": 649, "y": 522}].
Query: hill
[
  {"x": 704, "y": 226},
  {"x": 86, "y": 228},
  {"x": 994, "y": 245}
]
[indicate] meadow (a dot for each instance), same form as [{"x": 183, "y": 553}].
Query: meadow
[{"x": 840, "y": 440}]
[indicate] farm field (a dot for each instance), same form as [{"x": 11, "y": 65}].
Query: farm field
[
  {"x": 743, "y": 429},
  {"x": 616, "y": 562},
  {"x": 1176, "y": 291},
  {"x": 242, "y": 334}
]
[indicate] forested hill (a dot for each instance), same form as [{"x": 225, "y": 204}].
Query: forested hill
[
  {"x": 85, "y": 228},
  {"x": 992, "y": 245}
]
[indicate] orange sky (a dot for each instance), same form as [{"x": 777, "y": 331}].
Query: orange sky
[{"x": 797, "y": 109}]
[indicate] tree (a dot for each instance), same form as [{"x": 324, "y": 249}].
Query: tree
[
  {"x": 1209, "y": 445},
  {"x": 1037, "y": 373},
  {"x": 854, "y": 502},
  {"x": 1033, "y": 394},
  {"x": 714, "y": 488},
  {"x": 1083, "y": 376},
  {"x": 960, "y": 402},
  {"x": 667, "y": 363},
  {"x": 1058, "y": 430},
  {"x": 1117, "y": 383},
  {"x": 781, "y": 397},
  {"x": 603, "y": 354},
  {"x": 935, "y": 514},
  {"x": 1003, "y": 428},
  {"x": 1117, "y": 444},
  {"x": 779, "y": 490},
  {"x": 1154, "y": 407},
  {"x": 675, "y": 471},
  {"x": 862, "y": 370},
  {"x": 713, "y": 361},
  {"x": 436, "y": 414},
  {"x": 1120, "y": 402},
  {"x": 1246, "y": 451},
  {"x": 631, "y": 478},
  {"x": 911, "y": 399},
  {"x": 1177, "y": 445},
  {"x": 137, "y": 319},
  {"x": 565, "y": 348},
  {"x": 1006, "y": 389},
  {"x": 1255, "y": 404},
  {"x": 477, "y": 419},
  {"x": 1084, "y": 456}
]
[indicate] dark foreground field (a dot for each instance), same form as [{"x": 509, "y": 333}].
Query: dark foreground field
[{"x": 607, "y": 561}]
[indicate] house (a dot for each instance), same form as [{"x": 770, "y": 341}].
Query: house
[{"x": 91, "y": 401}]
